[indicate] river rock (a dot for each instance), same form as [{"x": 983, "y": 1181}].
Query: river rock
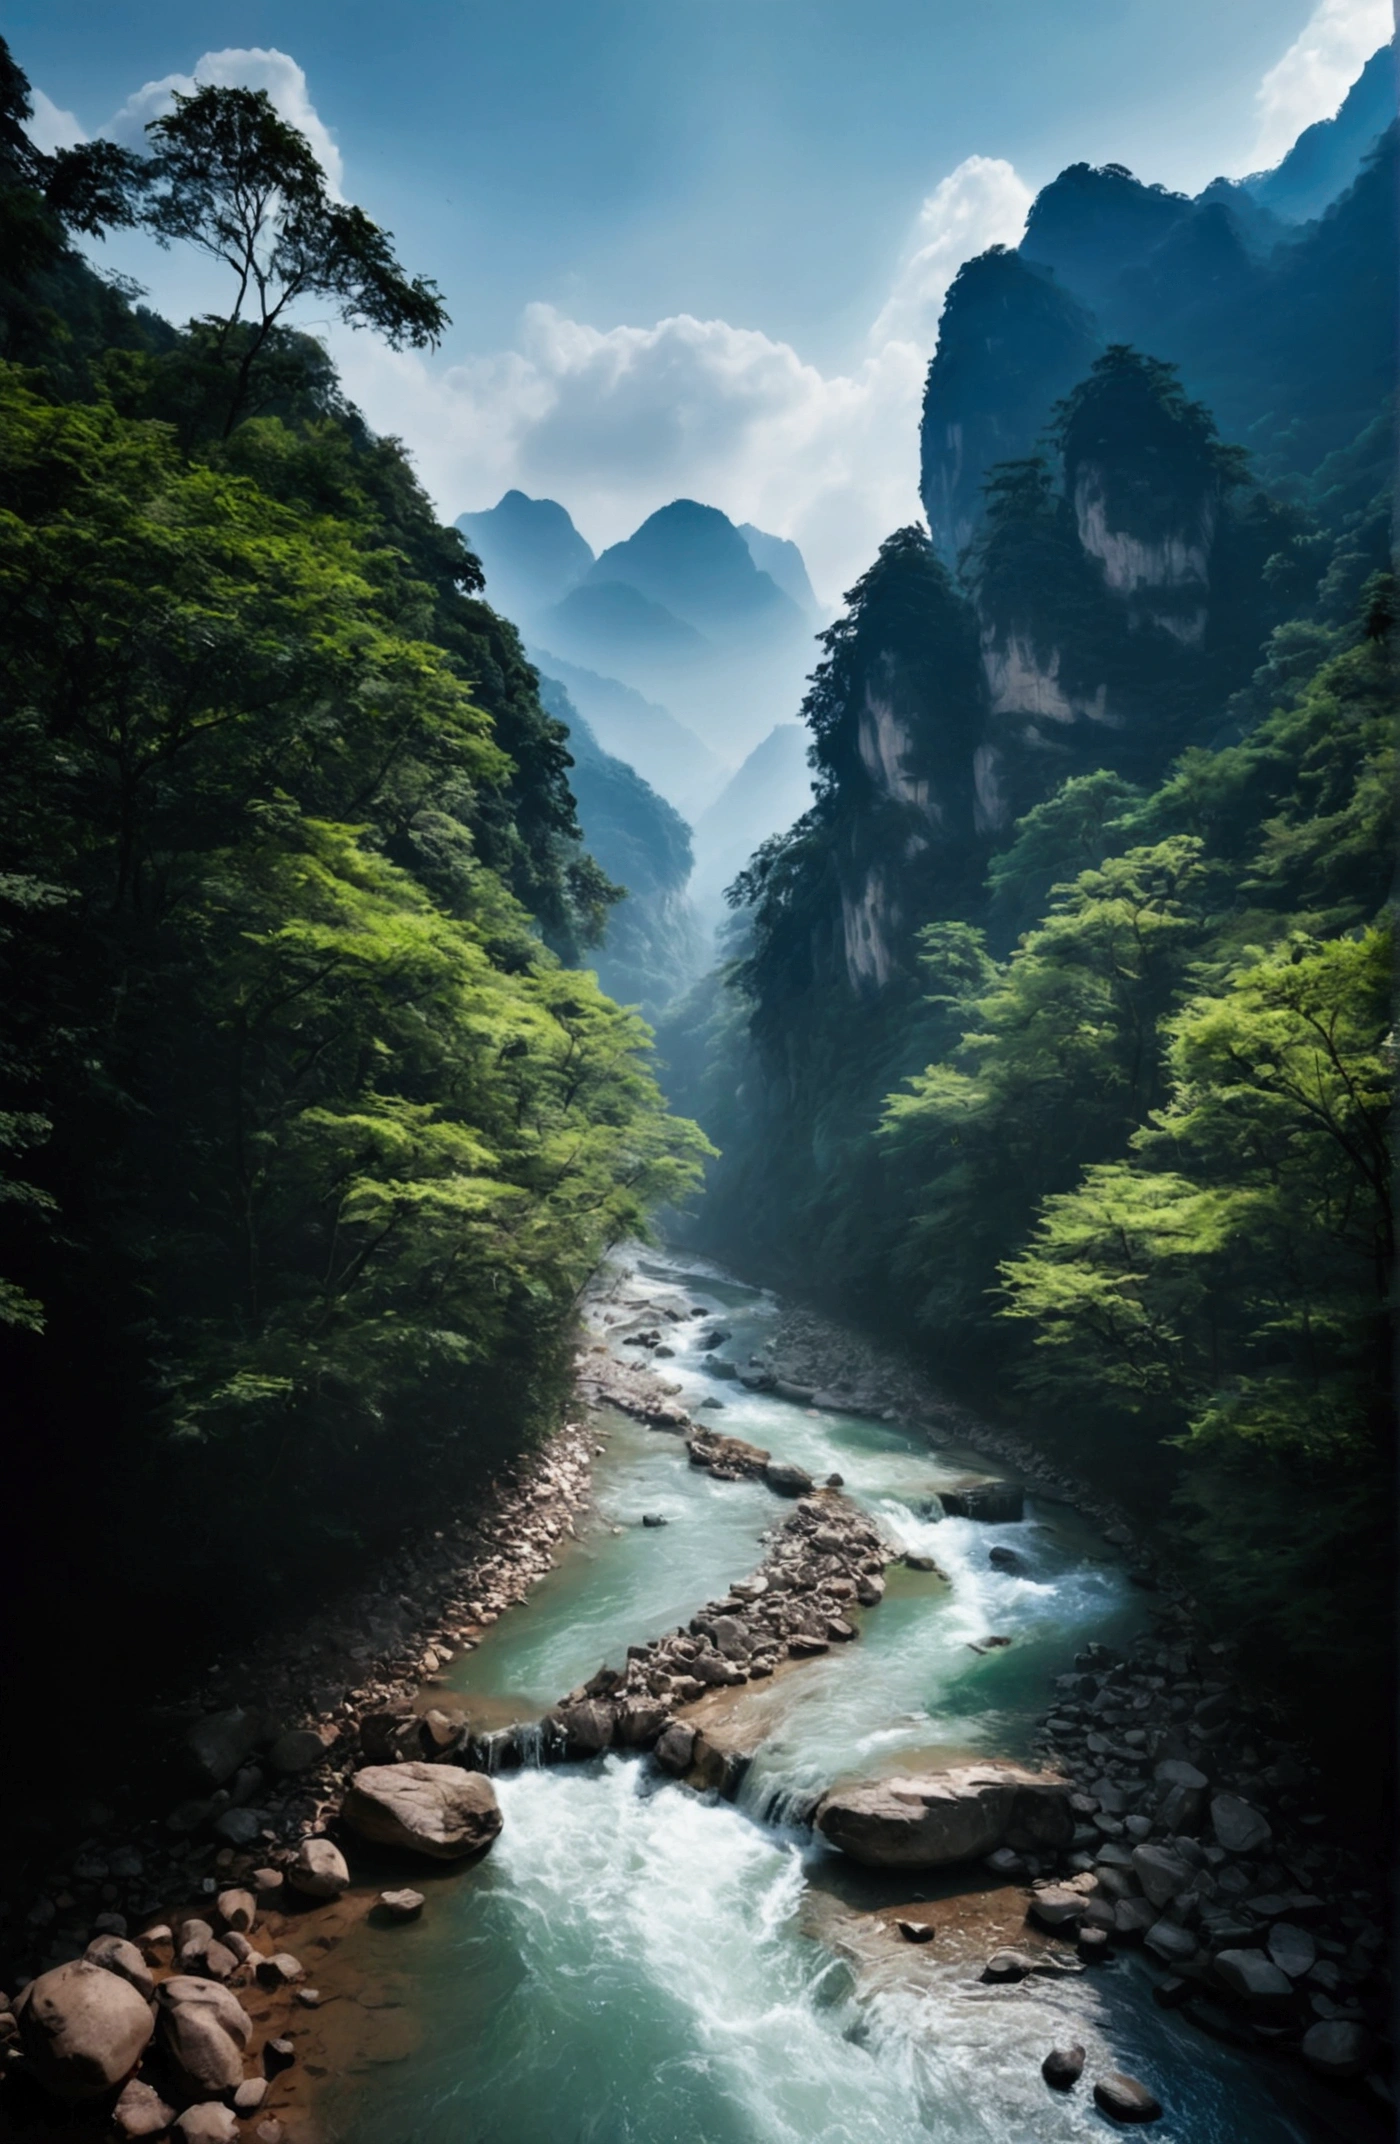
[
  {"x": 427, "y": 1808},
  {"x": 787, "y": 1480},
  {"x": 207, "y": 2122},
  {"x": 1125, "y": 2099},
  {"x": 250, "y": 2095},
  {"x": 1162, "y": 1874},
  {"x": 204, "y": 2029},
  {"x": 1057, "y": 1906},
  {"x": 402, "y": 1905},
  {"x": 1002, "y": 1558},
  {"x": 1238, "y": 1827},
  {"x": 916, "y": 1931},
  {"x": 675, "y": 1747},
  {"x": 237, "y": 1909},
  {"x": 588, "y": 1725},
  {"x": 1251, "y": 1976},
  {"x": 216, "y": 1745},
  {"x": 1170, "y": 1942},
  {"x": 82, "y": 2028},
  {"x": 115, "y": 1955},
  {"x": 319, "y": 1870},
  {"x": 296, "y": 1750},
  {"x": 997, "y": 1503},
  {"x": 1063, "y": 2066},
  {"x": 1132, "y": 1917},
  {"x": 1008, "y": 1965},
  {"x": 1337, "y": 2048},
  {"x": 1292, "y": 1949},
  {"x": 280, "y": 1970},
  {"x": 140, "y": 2111},
  {"x": 937, "y": 1818}
]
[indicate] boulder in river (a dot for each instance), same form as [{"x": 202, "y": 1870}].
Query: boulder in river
[
  {"x": 787, "y": 1480},
  {"x": 402, "y": 1905},
  {"x": 429, "y": 1809},
  {"x": 997, "y": 1503},
  {"x": 1125, "y": 2099},
  {"x": 1162, "y": 1874},
  {"x": 1292, "y": 1949},
  {"x": 82, "y": 2028},
  {"x": 1008, "y": 1965},
  {"x": 675, "y": 1748},
  {"x": 319, "y": 1869},
  {"x": 937, "y": 1818},
  {"x": 1064, "y": 2066}
]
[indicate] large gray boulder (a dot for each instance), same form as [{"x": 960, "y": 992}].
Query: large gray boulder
[
  {"x": 204, "y": 2029},
  {"x": 82, "y": 2028},
  {"x": 787, "y": 1480},
  {"x": 431, "y": 1809},
  {"x": 937, "y": 1818}
]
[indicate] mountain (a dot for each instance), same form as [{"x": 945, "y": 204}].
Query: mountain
[
  {"x": 1291, "y": 344},
  {"x": 1327, "y": 157},
  {"x": 530, "y": 550},
  {"x": 769, "y": 791},
  {"x": 605, "y": 618},
  {"x": 780, "y": 559},
  {"x": 654, "y": 947},
  {"x": 692, "y": 559},
  {"x": 664, "y": 752}
]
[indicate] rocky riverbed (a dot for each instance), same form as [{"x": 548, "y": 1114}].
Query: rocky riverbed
[{"x": 1181, "y": 1821}]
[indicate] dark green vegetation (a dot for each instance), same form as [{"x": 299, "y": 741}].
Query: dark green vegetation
[
  {"x": 1057, "y": 1035},
  {"x": 311, "y": 1129}
]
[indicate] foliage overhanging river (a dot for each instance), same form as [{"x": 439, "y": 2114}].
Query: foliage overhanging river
[{"x": 636, "y": 1964}]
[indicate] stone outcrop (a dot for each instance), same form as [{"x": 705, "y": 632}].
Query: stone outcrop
[
  {"x": 429, "y": 1809},
  {"x": 940, "y": 1818},
  {"x": 83, "y": 2028}
]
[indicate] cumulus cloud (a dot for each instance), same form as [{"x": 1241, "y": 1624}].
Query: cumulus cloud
[
  {"x": 616, "y": 421},
  {"x": 983, "y": 203},
  {"x": 51, "y": 128},
  {"x": 237, "y": 67},
  {"x": 1316, "y": 72}
]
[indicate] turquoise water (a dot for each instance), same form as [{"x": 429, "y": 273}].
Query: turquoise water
[{"x": 633, "y": 1964}]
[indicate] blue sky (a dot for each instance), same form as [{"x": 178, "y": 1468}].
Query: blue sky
[{"x": 699, "y": 245}]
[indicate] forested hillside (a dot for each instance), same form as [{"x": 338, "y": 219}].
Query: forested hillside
[
  {"x": 312, "y": 1127},
  {"x": 1056, "y": 1038}
]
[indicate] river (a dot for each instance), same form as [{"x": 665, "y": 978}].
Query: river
[{"x": 636, "y": 1964}]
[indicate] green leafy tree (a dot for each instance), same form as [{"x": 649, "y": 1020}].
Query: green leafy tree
[{"x": 231, "y": 177}]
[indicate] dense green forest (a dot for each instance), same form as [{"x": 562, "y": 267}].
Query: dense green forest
[
  {"x": 1056, "y": 1039},
  {"x": 312, "y": 1125}
]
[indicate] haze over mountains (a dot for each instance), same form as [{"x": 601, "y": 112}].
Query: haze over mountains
[{"x": 685, "y": 650}]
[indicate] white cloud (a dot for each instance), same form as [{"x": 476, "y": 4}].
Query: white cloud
[
  {"x": 983, "y": 203},
  {"x": 1316, "y": 72},
  {"x": 237, "y": 67},
  {"x": 617, "y": 421},
  {"x": 50, "y": 127}
]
